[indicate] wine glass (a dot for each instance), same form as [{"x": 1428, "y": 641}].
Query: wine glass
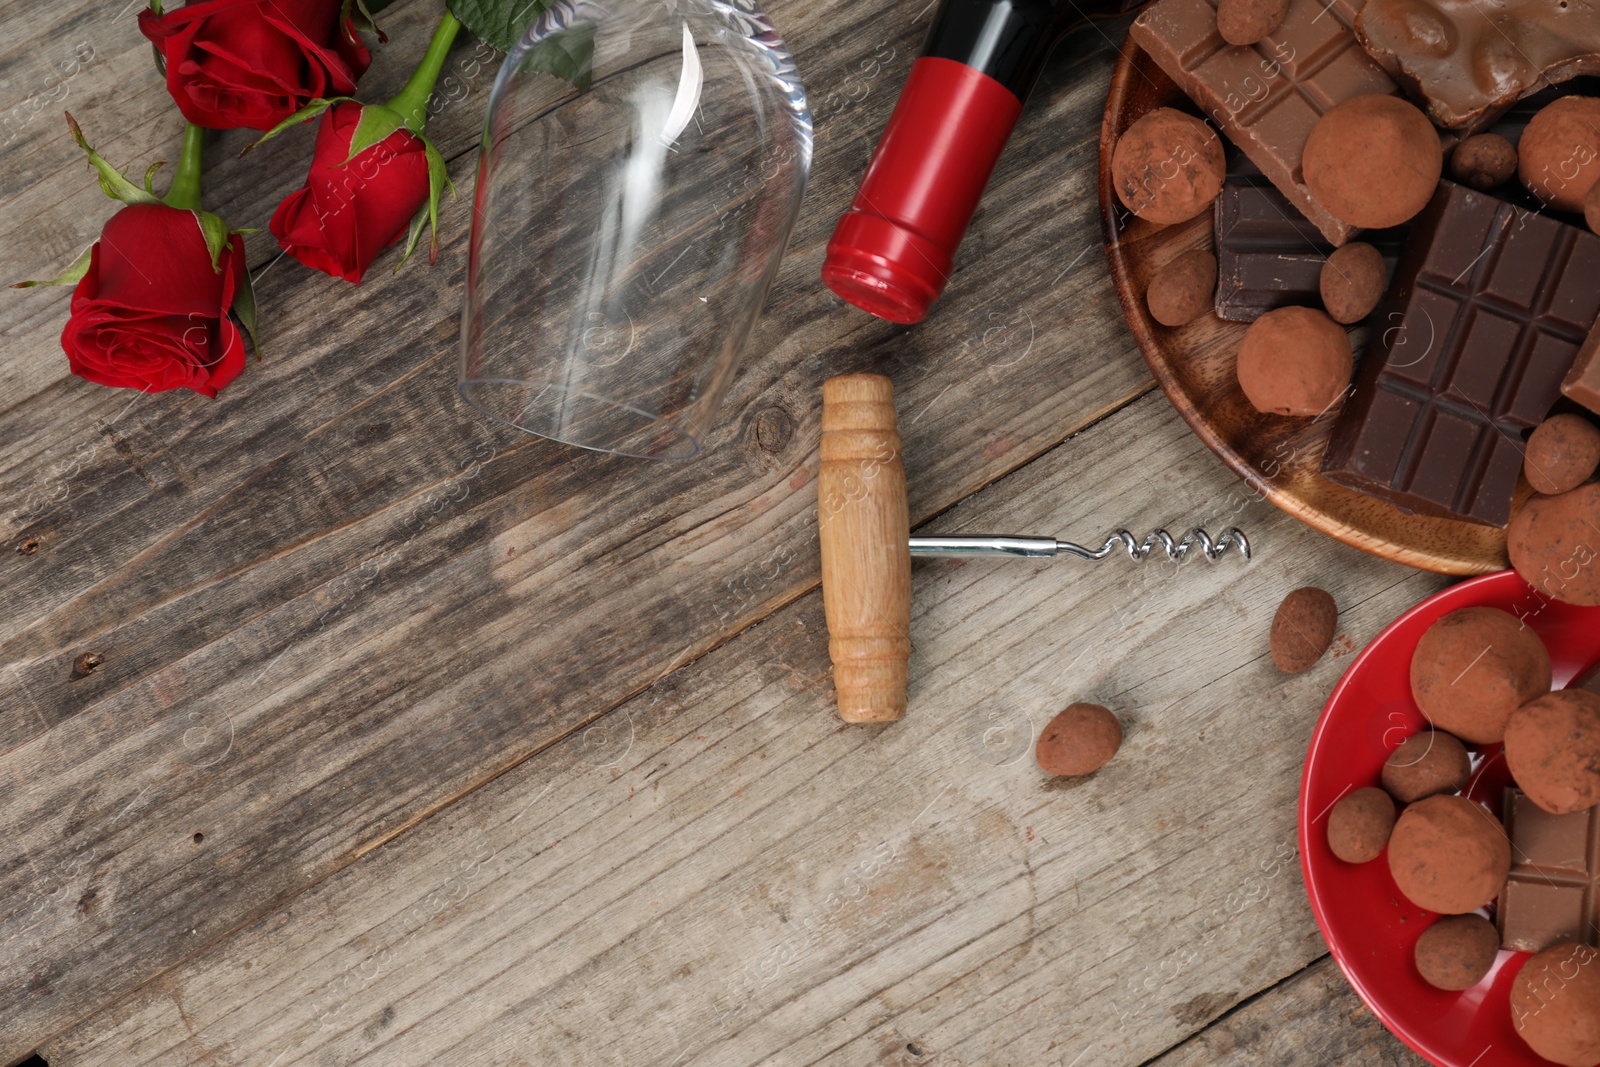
[{"x": 642, "y": 164}]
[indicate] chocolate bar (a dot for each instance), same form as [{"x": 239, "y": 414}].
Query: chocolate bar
[
  {"x": 1467, "y": 64},
  {"x": 1550, "y": 895},
  {"x": 1589, "y": 679},
  {"x": 1268, "y": 254},
  {"x": 1582, "y": 384},
  {"x": 1487, "y": 309},
  {"x": 1265, "y": 97}
]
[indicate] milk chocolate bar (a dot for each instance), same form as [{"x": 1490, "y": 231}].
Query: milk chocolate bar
[
  {"x": 1467, "y": 63},
  {"x": 1582, "y": 384},
  {"x": 1487, "y": 309},
  {"x": 1265, "y": 97},
  {"x": 1550, "y": 895}
]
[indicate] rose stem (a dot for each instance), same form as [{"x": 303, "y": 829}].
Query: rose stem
[
  {"x": 412, "y": 101},
  {"x": 185, "y": 191}
]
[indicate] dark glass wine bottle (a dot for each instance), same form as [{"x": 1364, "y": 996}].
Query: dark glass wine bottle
[{"x": 891, "y": 253}]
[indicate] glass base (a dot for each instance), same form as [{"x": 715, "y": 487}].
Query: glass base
[{"x": 572, "y": 417}]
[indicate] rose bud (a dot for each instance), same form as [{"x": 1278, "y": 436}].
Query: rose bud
[
  {"x": 151, "y": 312},
  {"x": 253, "y": 63},
  {"x": 350, "y": 209}
]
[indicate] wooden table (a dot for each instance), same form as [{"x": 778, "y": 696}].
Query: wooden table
[{"x": 413, "y": 739}]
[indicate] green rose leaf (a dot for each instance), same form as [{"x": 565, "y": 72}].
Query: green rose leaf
[
  {"x": 216, "y": 234},
  {"x": 112, "y": 181},
  {"x": 71, "y": 276},
  {"x": 310, "y": 111},
  {"x": 244, "y": 306},
  {"x": 568, "y": 55},
  {"x": 376, "y": 123}
]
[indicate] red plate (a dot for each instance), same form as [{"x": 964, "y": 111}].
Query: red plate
[{"x": 1370, "y": 927}]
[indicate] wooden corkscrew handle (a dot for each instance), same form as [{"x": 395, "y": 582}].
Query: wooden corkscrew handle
[{"x": 865, "y": 527}]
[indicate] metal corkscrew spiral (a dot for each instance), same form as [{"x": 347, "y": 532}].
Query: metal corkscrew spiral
[
  {"x": 863, "y": 519},
  {"x": 1041, "y": 547}
]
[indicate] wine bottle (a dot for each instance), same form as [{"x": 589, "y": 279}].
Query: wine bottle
[{"x": 892, "y": 252}]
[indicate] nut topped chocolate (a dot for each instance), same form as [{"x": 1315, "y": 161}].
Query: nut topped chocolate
[{"x": 1471, "y": 61}]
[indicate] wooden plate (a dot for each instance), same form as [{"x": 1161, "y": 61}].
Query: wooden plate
[{"x": 1277, "y": 456}]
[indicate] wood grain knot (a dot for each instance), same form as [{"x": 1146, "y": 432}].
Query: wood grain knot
[
  {"x": 774, "y": 428},
  {"x": 87, "y": 664},
  {"x": 28, "y": 546}
]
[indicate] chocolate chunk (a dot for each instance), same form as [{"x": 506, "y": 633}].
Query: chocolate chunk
[
  {"x": 1269, "y": 255},
  {"x": 1468, "y": 63},
  {"x": 1582, "y": 384},
  {"x": 1550, "y": 895},
  {"x": 1488, "y": 307},
  {"x": 1265, "y": 97}
]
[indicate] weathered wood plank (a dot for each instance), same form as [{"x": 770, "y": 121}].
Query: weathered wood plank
[
  {"x": 721, "y": 873},
  {"x": 333, "y": 601},
  {"x": 1313, "y": 1018}
]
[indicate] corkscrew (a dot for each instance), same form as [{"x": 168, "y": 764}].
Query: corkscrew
[{"x": 863, "y": 522}]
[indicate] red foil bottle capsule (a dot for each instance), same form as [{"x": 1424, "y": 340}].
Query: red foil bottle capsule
[{"x": 893, "y": 251}]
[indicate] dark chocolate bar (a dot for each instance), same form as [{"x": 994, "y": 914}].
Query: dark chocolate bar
[
  {"x": 1550, "y": 895},
  {"x": 1265, "y": 97},
  {"x": 1485, "y": 313},
  {"x": 1268, "y": 254}
]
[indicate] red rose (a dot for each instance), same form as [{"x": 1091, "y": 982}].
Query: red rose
[
  {"x": 152, "y": 313},
  {"x": 348, "y": 212},
  {"x": 253, "y": 63}
]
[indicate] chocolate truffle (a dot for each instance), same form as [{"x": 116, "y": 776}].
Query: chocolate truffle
[
  {"x": 1555, "y": 1004},
  {"x": 1449, "y": 855},
  {"x": 1457, "y": 951},
  {"x": 1562, "y": 454},
  {"x": 1558, "y": 157},
  {"x": 1359, "y": 825},
  {"x": 1302, "y": 629},
  {"x": 1167, "y": 166},
  {"x": 1373, "y": 160},
  {"x": 1247, "y": 21},
  {"x": 1483, "y": 161},
  {"x": 1080, "y": 740},
  {"x": 1553, "y": 750},
  {"x": 1182, "y": 290},
  {"x": 1552, "y": 541},
  {"x": 1294, "y": 361},
  {"x": 1424, "y": 764},
  {"x": 1591, "y": 207},
  {"x": 1352, "y": 282},
  {"x": 1473, "y": 667}
]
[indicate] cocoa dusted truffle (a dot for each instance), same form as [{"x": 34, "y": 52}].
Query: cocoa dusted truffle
[
  {"x": 1555, "y": 1004},
  {"x": 1080, "y": 740},
  {"x": 1558, "y": 157},
  {"x": 1352, "y": 282},
  {"x": 1302, "y": 629},
  {"x": 1449, "y": 855},
  {"x": 1373, "y": 160},
  {"x": 1553, "y": 750},
  {"x": 1183, "y": 289},
  {"x": 1359, "y": 825},
  {"x": 1457, "y": 951},
  {"x": 1167, "y": 166},
  {"x": 1562, "y": 454},
  {"x": 1552, "y": 541},
  {"x": 1483, "y": 161},
  {"x": 1247, "y": 21},
  {"x": 1424, "y": 764},
  {"x": 1473, "y": 667},
  {"x": 1294, "y": 361}
]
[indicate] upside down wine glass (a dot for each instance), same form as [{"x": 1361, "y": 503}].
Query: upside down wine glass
[{"x": 642, "y": 164}]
